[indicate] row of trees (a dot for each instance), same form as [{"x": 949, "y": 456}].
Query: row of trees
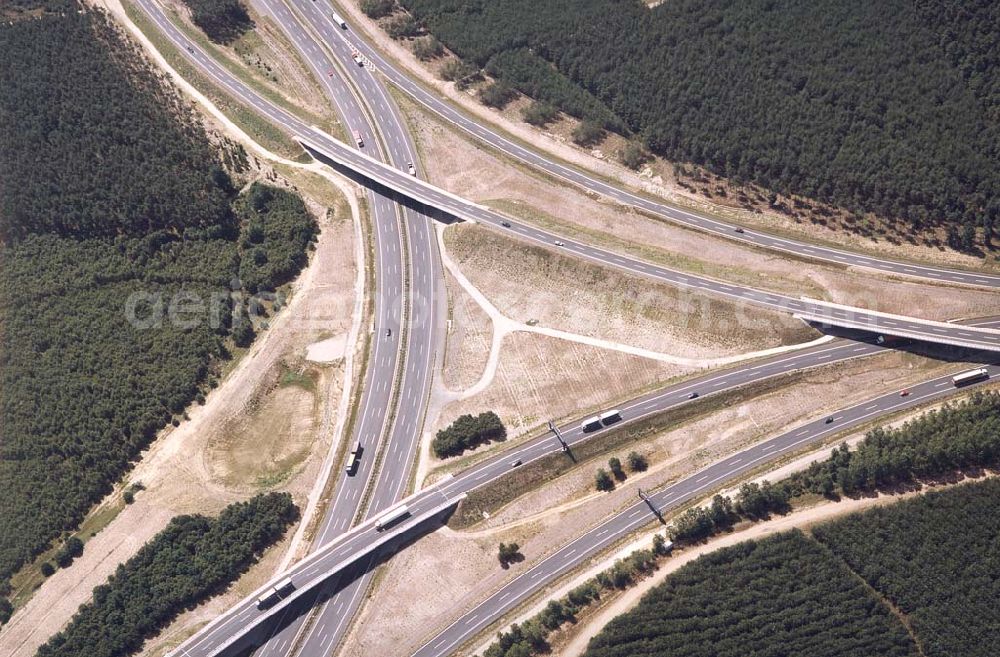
[
  {"x": 886, "y": 107},
  {"x": 113, "y": 208},
  {"x": 784, "y": 595},
  {"x": 531, "y": 637},
  {"x": 468, "y": 432},
  {"x": 938, "y": 443},
  {"x": 193, "y": 558}
]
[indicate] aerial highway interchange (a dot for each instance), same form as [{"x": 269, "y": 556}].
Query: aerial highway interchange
[{"x": 407, "y": 332}]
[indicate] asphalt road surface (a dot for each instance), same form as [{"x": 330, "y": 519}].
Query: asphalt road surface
[
  {"x": 344, "y": 42},
  {"x": 411, "y": 186},
  {"x": 638, "y": 409},
  {"x": 322, "y": 633},
  {"x": 640, "y": 514},
  {"x": 480, "y": 476}
]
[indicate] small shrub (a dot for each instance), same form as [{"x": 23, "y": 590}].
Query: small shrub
[
  {"x": 633, "y": 155},
  {"x": 603, "y": 481},
  {"x": 539, "y": 114},
  {"x": 427, "y": 48},
  {"x": 615, "y": 465},
  {"x": 402, "y": 27},
  {"x": 377, "y": 8},
  {"x": 497, "y": 95},
  {"x": 455, "y": 70},
  {"x": 588, "y": 133},
  {"x": 637, "y": 462}
]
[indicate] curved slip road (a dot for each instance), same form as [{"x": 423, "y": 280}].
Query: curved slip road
[
  {"x": 416, "y": 189},
  {"x": 344, "y": 42},
  {"x": 421, "y": 328}
]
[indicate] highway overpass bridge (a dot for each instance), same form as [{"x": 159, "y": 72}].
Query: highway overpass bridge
[
  {"x": 245, "y": 626},
  {"x": 353, "y": 162}
]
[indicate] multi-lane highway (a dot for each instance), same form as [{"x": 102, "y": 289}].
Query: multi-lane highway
[
  {"x": 345, "y": 41},
  {"x": 386, "y": 137},
  {"x": 413, "y": 187},
  {"x": 638, "y": 515},
  {"x": 870, "y": 319},
  {"x": 241, "y": 617},
  {"x": 418, "y": 370}
]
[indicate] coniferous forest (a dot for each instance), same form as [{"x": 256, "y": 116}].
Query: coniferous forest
[
  {"x": 784, "y": 595},
  {"x": 890, "y": 107},
  {"x": 113, "y": 205},
  {"x": 933, "y": 559},
  {"x": 192, "y": 558}
]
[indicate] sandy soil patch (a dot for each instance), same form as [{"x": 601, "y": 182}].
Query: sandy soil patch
[
  {"x": 470, "y": 333},
  {"x": 657, "y": 177},
  {"x": 678, "y": 450},
  {"x": 327, "y": 351},
  {"x": 532, "y": 284},
  {"x": 543, "y": 520},
  {"x": 541, "y": 378}
]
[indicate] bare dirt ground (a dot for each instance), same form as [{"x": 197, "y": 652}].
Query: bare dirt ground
[
  {"x": 459, "y": 166},
  {"x": 445, "y": 574},
  {"x": 532, "y": 284},
  {"x": 657, "y": 177},
  {"x": 470, "y": 333},
  {"x": 539, "y": 378}
]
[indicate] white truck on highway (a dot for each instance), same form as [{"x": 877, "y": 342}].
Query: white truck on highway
[
  {"x": 970, "y": 376},
  {"x": 275, "y": 593},
  {"x": 391, "y": 516},
  {"x": 591, "y": 424},
  {"x": 352, "y": 459},
  {"x": 610, "y": 417},
  {"x": 341, "y": 23}
]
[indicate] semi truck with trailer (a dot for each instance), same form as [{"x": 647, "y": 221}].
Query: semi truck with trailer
[
  {"x": 275, "y": 593},
  {"x": 971, "y": 376},
  {"x": 352, "y": 459},
  {"x": 391, "y": 517}
]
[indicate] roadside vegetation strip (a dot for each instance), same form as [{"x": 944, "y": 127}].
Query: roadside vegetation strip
[
  {"x": 193, "y": 558},
  {"x": 536, "y": 473},
  {"x": 88, "y": 379},
  {"x": 643, "y": 77}
]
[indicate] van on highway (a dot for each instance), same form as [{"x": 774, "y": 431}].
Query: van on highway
[{"x": 357, "y": 138}]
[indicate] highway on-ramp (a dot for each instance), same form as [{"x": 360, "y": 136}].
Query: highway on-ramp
[
  {"x": 499, "y": 464},
  {"x": 345, "y": 41},
  {"x": 421, "y": 192}
]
